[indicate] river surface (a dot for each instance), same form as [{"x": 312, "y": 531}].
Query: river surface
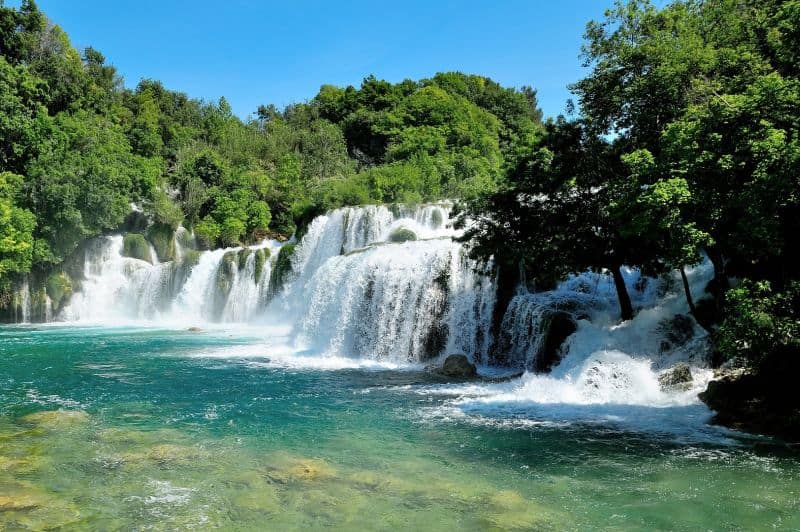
[{"x": 121, "y": 428}]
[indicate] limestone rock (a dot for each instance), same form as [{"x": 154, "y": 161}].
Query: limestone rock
[{"x": 679, "y": 377}]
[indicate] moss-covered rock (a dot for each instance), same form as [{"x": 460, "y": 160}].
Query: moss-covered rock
[
  {"x": 242, "y": 256},
  {"x": 136, "y": 246},
  {"x": 163, "y": 239},
  {"x": 226, "y": 273},
  {"x": 191, "y": 258},
  {"x": 185, "y": 239},
  {"x": 283, "y": 267},
  {"x": 437, "y": 219},
  {"x": 262, "y": 255},
  {"x": 402, "y": 234},
  {"x": 59, "y": 288}
]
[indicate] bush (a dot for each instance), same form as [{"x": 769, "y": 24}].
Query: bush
[
  {"x": 760, "y": 322},
  {"x": 207, "y": 232}
]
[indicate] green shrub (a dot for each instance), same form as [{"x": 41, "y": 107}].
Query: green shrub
[
  {"x": 760, "y": 322},
  {"x": 207, "y": 232}
]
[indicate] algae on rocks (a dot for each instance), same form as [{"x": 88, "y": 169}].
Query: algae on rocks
[
  {"x": 136, "y": 246},
  {"x": 283, "y": 267},
  {"x": 262, "y": 255},
  {"x": 162, "y": 237}
]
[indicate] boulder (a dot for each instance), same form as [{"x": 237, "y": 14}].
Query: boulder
[
  {"x": 679, "y": 377},
  {"x": 763, "y": 401},
  {"x": 458, "y": 366}
]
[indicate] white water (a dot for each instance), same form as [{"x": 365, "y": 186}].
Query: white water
[
  {"x": 353, "y": 291},
  {"x": 356, "y": 293},
  {"x": 609, "y": 373},
  {"x": 25, "y": 301}
]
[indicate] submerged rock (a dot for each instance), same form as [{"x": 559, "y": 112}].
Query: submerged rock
[
  {"x": 57, "y": 419},
  {"x": 286, "y": 468},
  {"x": 458, "y": 366},
  {"x": 679, "y": 377},
  {"x": 19, "y": 502}
]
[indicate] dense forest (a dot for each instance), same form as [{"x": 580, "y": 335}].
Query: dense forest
[{"x": 683, "y": 144}]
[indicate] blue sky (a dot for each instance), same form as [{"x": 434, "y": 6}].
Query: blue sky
[{"x": 281, "y": 52}]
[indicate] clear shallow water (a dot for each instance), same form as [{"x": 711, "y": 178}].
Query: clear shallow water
[{"x": 127, "y": 428}]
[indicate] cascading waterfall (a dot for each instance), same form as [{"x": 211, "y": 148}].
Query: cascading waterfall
[
  {"x": 356, "y": 289},
  {"x": 25, "y": 302},
  {"x": 208, "y": 286},
  {"x": 378, "y": 282},
  {"x": 389, "y": 284},
  {"x": 399, "y": 302}
]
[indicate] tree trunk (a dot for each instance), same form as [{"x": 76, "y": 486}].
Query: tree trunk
[
  {"x": 720, "y": 279},
  {"x": 625, "y": 306},
  {"x": 688, "y": 292}
]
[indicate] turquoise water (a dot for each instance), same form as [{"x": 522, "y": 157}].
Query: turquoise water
[{"x": 104, "y": 428}]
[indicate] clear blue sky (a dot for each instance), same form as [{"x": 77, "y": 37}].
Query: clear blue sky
[{"x": 281, "y": 52}]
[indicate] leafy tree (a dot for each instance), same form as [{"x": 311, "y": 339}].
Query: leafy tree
[{"x": 16, "y": 230}]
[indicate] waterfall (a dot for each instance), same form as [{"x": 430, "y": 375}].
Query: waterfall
[
  {"x": 387, "y": 283},
  {"x": 199, "y": 287},
  {"x": 24, "y": 303},
  {"x": 384, "y": 283}
]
